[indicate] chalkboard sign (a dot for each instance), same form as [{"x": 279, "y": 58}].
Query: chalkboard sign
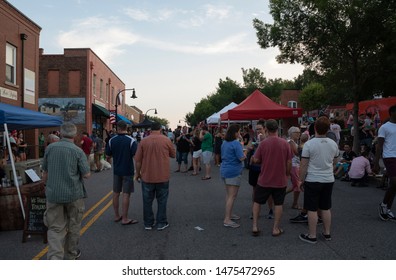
[{"x": 34, "y": 223}]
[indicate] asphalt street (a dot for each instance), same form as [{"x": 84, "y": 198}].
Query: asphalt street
[{"x": 196, "y": 231}]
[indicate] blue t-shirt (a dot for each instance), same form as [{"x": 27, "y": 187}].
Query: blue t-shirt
[
  {"x": 122, "y": 148},
  {"x": 231, "y": 166}
]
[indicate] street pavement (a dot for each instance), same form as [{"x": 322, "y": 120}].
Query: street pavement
[{"x": 196, "y": 231}]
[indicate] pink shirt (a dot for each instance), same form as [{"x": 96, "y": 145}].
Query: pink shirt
[
  {"x": 359, "y": 166},
  {"x": 274, "y": 153}
]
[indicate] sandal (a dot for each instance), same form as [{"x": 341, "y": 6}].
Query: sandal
[
  {"x": 206, "y": 178},
  {"x": 281, "y": 231},
  {"x": 255, "y": 233},
  {"x": 235, "y": 217},
  {"x": 232, "y": 225}
]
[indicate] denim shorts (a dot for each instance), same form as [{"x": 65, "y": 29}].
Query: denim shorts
[
  {"x": 234, "y": 181},
  {"x": 182, "y": 157}
]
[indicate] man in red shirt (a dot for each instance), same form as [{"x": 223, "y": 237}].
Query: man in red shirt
[
  {"x": 275, "y": 156},
  {"x": 86, "y": 144}
]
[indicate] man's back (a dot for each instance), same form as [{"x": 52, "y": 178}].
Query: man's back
[
  {"x": 154, "y": 153},
  {"x": 274, "y": 152},
  {"x": 65, "y": 164},
  {"x": 122, "y": 148}
]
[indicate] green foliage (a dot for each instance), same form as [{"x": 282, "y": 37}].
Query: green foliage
[
  {"x": 162, "y": 121},
  {"x": 231, "y": 91},
  {"x": 312, "y": 97},
  {"x": 349, "y": 43}
]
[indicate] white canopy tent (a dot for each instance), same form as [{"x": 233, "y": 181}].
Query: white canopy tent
[{"x": 215, "y": 118}]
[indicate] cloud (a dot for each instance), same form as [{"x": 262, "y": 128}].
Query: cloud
[
  {"x": 217, "y": 12},
  {"x": 184, "y": 18},
  {"x": 104, "y": 37},
  {"x": 138, "y": 14},
  {"x": 144, "y": 15},
  {"x": 109, "y": 37},
  {"x": 230, "y": 44}
]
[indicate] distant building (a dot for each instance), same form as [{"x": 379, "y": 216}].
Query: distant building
[
  {"x": 134, "y": 114},
  {"x": 19, "y": 57},
  {"x": 289, "y": 98},
  {"x": 81, "y": 88}
]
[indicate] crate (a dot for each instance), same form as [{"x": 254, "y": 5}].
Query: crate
[{"x": 20, "y": 168}]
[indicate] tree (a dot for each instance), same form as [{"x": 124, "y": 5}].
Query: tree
[
  {"x": 162, "y": 121},
  {"x": 312, "y": 97},
  {"x": 343, "y": 39}
]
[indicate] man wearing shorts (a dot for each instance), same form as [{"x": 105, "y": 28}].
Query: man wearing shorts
[
  {"x": 207, "y": 151},
  {"x": 318, "y": 158},
  {"x": 275, "y": 156},
  {"x": 122, "y": 149},
  {"x": 386, "y": 148}
]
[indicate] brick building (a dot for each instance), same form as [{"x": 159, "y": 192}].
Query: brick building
[
  {"x": 134, "y": 114},
  {"x": 81, "y": 88},
  {"x": 19, "y": 55},
  {"x": 289, "y": 98}
]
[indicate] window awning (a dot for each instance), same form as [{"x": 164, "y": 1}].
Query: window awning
[
  {"x": 122, "y": 118},
  {"x": 100, "y": 111}
]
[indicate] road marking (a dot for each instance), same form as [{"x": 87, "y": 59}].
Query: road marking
[{"x": 89, "y": 223}]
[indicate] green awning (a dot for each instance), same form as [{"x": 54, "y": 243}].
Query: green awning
[{"x": 100, "y": 111}]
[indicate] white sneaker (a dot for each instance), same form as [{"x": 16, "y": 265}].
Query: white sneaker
[
  {"x": 391, "y": 216},
  {"x": 383, "y": 212}
]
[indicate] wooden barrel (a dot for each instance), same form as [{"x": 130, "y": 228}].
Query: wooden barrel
[{"x": 11, "y": 217}]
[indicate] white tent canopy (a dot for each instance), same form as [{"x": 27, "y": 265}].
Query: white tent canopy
[{"x": 215, "y": 118}]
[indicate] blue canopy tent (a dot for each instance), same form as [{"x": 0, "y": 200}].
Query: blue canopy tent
[
  {"x": 16, "y": 118},
  {"x": 122, "y": 118}
]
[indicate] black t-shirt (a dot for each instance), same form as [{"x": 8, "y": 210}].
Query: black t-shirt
[
  {"x": 348, "y": 156},
  {"x": 197, "y": 144},
  {"x": 183, "y": 145}
]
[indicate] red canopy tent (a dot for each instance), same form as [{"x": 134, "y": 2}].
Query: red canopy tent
[
  {"x": 373, "y": 106},
  {"x": 258, "y": 106}
]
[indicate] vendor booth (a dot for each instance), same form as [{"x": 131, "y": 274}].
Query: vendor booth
[
  {"x": 16, "y": 118},
  {"x": 258, "y": 106}
]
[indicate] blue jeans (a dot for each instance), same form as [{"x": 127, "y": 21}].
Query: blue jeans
[
  {"x": 182, "y": 157},
  {"x": 160, "y": 191}
]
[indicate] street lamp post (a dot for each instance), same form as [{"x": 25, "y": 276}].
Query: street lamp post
[
  {"x": 155, "y": 112},
  {"x": 133, "y": 96}
]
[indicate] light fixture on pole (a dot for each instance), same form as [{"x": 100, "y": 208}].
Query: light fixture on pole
[
  {"x": 155, "y": 112},
  {"x": 133, "y": 96}
]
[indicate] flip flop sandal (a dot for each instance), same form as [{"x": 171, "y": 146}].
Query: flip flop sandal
[
  {"x": 232, "y": 225},
  {"x": 131, "y": 222},
  {"x": 281, "y": 231}
]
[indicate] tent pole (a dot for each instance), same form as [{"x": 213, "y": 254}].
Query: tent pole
[{"x": 13, "y": 169}]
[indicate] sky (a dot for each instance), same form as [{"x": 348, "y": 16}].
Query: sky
[{"x": 173, "y": 52}]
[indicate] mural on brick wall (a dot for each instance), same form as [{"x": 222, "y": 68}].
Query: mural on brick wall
[{"x": 70, "y": 109}]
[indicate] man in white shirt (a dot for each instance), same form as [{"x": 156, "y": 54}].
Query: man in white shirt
[
  {"x": 386, "y": 148},
  {"x": 336, "y": 129}
]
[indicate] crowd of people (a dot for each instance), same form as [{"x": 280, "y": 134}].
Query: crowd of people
[{"x": 305, "y": 161}]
